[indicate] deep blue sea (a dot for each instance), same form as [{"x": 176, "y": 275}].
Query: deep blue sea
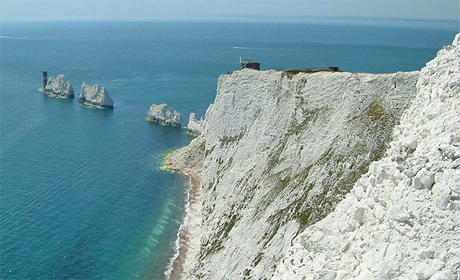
[{"x": 82, "y": 194}]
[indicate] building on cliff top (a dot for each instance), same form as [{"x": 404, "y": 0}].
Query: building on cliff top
[{"x": 251, "y": 64}]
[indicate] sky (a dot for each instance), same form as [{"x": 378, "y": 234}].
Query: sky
[{"x": 227, "y": 9}]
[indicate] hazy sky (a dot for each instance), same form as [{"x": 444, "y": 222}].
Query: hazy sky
[{"x": 144, "y": 9}]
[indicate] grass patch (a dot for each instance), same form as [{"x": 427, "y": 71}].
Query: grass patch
[
  {"x": 219, "y": 238},
  {"x": 375, "y": 111},
  {"x": 290, "y": 72},
  {"x": 229, "y": 139}
]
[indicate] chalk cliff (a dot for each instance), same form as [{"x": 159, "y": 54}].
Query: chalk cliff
[
  {"x": 95, "y": 95},
  {"x": 279, "y": 151},
  {"x": 59, "y": 86},
  {"x": 402, "y": 218}
]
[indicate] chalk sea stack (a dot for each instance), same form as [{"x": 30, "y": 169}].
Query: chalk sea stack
[
  {"x": 59, "y": 86},
  {"x": 95, "y": 95},
  {"x": 195, "y": 127},
  {"x": 164, "y": 114}
]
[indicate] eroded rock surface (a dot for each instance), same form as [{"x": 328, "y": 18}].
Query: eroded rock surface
[
  {"x": 402, "y": 218},
  {"x": 59, "y": 86},
  {"x": 279, "y": 152},
  {"x": 95, "y": 95},
  {"x": 164, "y": 114}
]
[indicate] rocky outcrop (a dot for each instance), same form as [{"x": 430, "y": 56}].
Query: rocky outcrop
[
  {"x": 59, "y": 86},
  {"x": 188, "y": 159},
  {"x": 402, "y": 218},
  {"x": 164, "y": 114},
  {"x": 279, "y": 151},
  {"x": 95, "y": 95},
  {"x": 195, "y": 127}
]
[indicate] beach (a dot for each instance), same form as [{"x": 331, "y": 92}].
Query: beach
[{"x": 190, "y": 232}]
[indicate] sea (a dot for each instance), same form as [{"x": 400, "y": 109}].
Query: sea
[{"x": 83, "y": 194}]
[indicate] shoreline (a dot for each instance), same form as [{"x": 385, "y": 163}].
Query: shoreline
[{"x": 189, "y": 235}]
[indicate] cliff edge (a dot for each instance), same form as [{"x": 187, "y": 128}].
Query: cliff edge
[
  {"x": 277, "y": 153},
  {"x": 401, "y": 219}
]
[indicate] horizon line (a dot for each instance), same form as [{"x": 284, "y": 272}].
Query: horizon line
[
  {"x": 255, "y": 18},
  {"x": 448, "y": 24}
]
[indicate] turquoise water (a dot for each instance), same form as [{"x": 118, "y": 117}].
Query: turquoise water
[{"x": 82, "y": 194}]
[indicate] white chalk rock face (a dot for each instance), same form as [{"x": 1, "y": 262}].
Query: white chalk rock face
[
  {"x": 164, "y": 114},
  {"x": 195, "y": 127},
  {"x": 330, "y": 175},
  {"x": 95, "y": 95},
  {"x": 59, "y": 86},
  {"x": 279, "y": 151},
  {"x": 408, "y": 202}
]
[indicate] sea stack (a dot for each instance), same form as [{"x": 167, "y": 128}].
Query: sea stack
[
  {"x": 195, "y": 126},
  {"x": 59, "y": 86},
  {"x": 95, "y": 95},
  {"x": 164, "y": 114}
]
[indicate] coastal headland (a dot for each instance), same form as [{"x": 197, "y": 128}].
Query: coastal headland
[{"x": 280, "y": 153}]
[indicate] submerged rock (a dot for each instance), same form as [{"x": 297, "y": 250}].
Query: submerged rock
[
  {"x": 164, "y": 114},
  {"x": 95, "y": 95},
  {"x": 59, "y": 86}
]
